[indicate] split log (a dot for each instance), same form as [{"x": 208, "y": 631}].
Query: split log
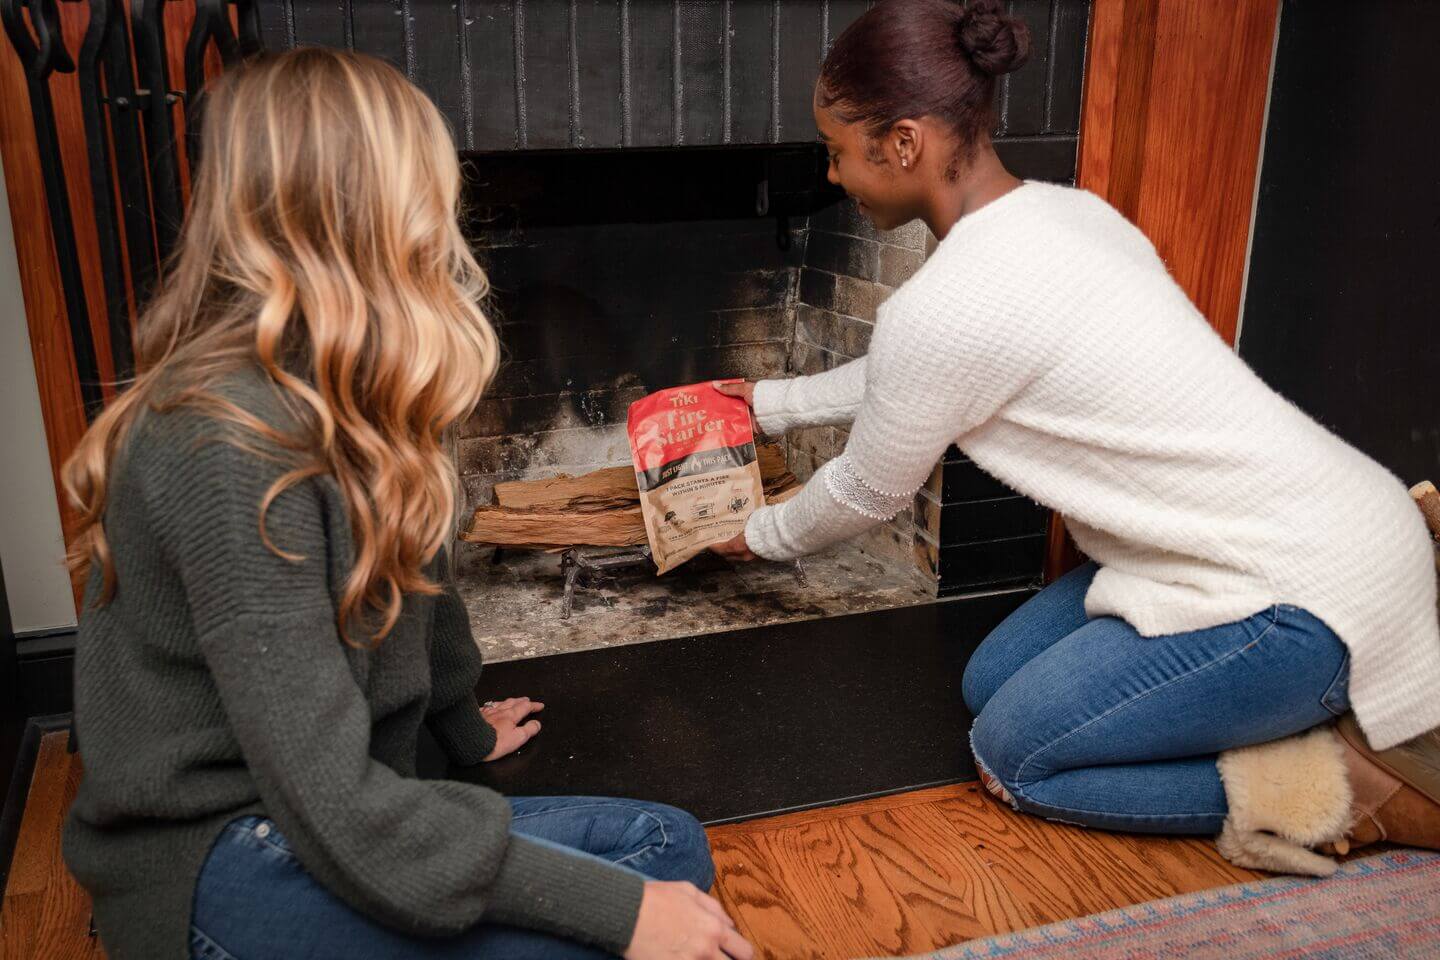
[
  {"x": 543, "y": 529},
  {"x": 608, "y": 488},
  {"x": 599, "y": 490}
]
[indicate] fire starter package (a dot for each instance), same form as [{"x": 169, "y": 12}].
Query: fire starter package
[{"x": 696, "y": 467}]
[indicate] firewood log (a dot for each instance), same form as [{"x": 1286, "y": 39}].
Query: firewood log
[
  {"x": 608, "y": 488},
  {"x": 623, "y": 527}
]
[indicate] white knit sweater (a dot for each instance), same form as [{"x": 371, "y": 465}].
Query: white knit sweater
[{"x": 1046, "y": 338}]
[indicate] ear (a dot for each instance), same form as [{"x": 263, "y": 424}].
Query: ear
[{"x": 905, "y": 142}]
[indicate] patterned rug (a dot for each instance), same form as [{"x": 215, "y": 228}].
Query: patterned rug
[{"x": 1386, "y": 906}]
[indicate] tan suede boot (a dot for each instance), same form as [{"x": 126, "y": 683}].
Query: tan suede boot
[{"x": 1395, "y": 793}]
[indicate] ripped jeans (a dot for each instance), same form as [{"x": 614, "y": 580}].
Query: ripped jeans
[{"x": 1085, "y": 721}]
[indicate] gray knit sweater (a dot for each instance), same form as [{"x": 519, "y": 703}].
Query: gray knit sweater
[{"x": 215, "y": 684}]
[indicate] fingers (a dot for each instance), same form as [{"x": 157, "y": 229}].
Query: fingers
[
  {"x": 730, "y": 389},
  {"x": 515, "y": 709},
  {"x": 736, "y": 946},
  {"x": 529, "y": 730}
]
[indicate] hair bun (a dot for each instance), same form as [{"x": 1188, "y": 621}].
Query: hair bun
[{"x": 995, "y": 42}]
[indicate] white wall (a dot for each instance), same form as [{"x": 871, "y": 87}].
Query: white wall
[{"x": 32, "y": 549}]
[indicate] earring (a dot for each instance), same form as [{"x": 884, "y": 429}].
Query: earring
[{"x": 904, "y": 161}]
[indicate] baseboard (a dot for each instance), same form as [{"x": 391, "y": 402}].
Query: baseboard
[
  {"x": 45, "y": 642},
  {"x": 20, "y": 777},
  {"x": 45, "y": 664}
]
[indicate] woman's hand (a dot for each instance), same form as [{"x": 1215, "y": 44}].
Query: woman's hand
[
  {"x": 512, "y": 729},
  {"x": 744, "y": 389},
  {"x": 678, "y": 922},
  {"x": 735, "y": 549}
]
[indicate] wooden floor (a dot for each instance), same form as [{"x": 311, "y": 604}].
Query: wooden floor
[{"x": 897, "y": 875}]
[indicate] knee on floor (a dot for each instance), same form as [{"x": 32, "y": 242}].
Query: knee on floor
[{"x": 996, "y": 753}]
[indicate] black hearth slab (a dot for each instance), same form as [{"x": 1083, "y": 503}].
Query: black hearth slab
[{"x": 737, "y": 725}]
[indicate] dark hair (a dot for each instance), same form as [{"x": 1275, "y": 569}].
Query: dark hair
[{"x": 916, "y": 58}]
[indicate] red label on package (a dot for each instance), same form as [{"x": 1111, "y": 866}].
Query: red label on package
[{"x": 696, "y": 467}]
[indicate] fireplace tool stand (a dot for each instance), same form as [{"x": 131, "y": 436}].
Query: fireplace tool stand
[{"x": 581, "y": 565}]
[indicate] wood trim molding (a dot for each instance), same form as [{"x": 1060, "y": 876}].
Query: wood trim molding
[{"x": 1170, "y": 132}]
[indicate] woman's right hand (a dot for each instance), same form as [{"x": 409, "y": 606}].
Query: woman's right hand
[
  {"x": 744, "y": 389},
  {"x": 678, "y": 922}
]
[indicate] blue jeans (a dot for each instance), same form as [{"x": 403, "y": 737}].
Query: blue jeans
[
  {"x": 253, "y": 900},
  {"x": 1087, "y": 722}
]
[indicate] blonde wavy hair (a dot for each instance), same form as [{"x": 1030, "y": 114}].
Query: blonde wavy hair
[{"x": 322, "y": 245}]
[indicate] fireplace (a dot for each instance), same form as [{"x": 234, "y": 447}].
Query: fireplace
[{"x": 618, "y": 273}]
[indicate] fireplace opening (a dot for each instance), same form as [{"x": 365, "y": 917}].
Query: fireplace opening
[{"x": 617, "y": 273}]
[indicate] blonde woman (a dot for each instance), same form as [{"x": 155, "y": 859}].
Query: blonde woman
[{"x": 269, "y": 617}]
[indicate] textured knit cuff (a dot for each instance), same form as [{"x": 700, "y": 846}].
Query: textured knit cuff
[
  {"x": 768, "y": 404},
  {"x": 762, "y": 535},
  {"x": 465, "y": 736},
  {"x": 571, "y": 895}
]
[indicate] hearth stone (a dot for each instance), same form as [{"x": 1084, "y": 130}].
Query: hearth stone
[{"x": 516, "y": 604}]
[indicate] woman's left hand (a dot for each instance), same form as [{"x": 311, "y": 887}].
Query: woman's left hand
[
  {"x": 512, "y": 728},
  {"x": 735, "y": 548}
]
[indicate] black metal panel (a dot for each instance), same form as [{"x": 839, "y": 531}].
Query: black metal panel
[
  {"x": 598, "y": 80},
  {"x": 1022, "y": 107},
  {"x": 1340, "y": 311},
  {"x": 704, "y": 72},
  {"x": 490, "y": 40},
  {"x": 978, "y": 520},
  {"x": 1040, "y": 158},
  {"x": 377, "y": 27},
  {"x": 992, "y": 564},
  {"x": 1070, "y": 26},
  {"x": 554, "y": 74},
  {"x": 433, "y": 34},
  {"x": 323, "y": 22},
  {"x": 800, "y": 48},
  {"x": 276, "y": 24},
  {"x": 651, "y": 42},
  {"x": 752, "y": 63},
  {"x": 548, "y": 75},
  {"x": 842, "y": 13},
  {"x": 963, "y": 480}
]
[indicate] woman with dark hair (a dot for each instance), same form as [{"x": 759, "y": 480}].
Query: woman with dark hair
[{"x": 1252, "y": 576}]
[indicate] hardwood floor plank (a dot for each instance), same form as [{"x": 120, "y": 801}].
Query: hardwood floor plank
[
  {"x": 19, "y": 920},
  {"x": 1061, "y": 871},
  {"x": 947, "y": 888},
  {"x": 46, "y": 914},
  {"x": 800, "y": 892},
  {"x": 45, "y": 807}
]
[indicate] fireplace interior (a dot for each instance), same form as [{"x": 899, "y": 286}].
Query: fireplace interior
[{"x": 615, "y": 274}]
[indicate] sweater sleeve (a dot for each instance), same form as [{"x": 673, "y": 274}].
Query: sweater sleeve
[
  {"x": 454, "y": 717},
  {"x": 824, "y": 399},
  {"x": 939, "y": 366},
  {"x": 426, "y": 857}
]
